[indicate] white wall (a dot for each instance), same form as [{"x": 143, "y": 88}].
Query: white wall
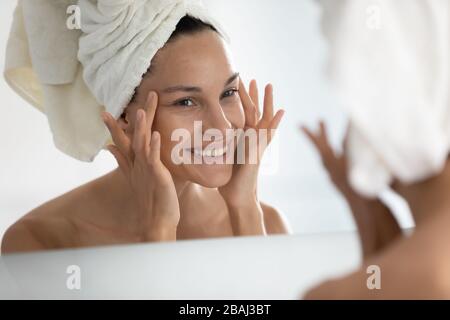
[{"x": 272, "y": 41}]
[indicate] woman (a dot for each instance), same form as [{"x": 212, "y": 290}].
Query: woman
[
  {"x": 149, "y": 198},
  {"x": 395, "y": 93}
]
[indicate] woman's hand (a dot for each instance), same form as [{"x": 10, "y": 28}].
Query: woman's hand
[
  {"x": 334, "y": 163},
  {"x": 150, "y": 181},
  {"x": 376, "y": 224},
  {"x": 240, "y": 192}
]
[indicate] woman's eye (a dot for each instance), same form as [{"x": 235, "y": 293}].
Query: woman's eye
[
  {"x": 229, "y": 93},
  {"x": 185, "y": 103}
]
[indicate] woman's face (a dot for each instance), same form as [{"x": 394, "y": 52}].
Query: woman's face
[{"x": 195, "y": 81}]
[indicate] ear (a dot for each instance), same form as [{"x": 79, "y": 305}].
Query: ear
[{"x": 124, "y": 119}]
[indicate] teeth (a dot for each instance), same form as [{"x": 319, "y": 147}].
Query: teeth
[{"x": 210, "y": 152}]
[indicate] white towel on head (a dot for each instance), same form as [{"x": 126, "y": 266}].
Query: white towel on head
[
  {"x": 73, "y": 75},
  {"x": 389, "y": 61}
]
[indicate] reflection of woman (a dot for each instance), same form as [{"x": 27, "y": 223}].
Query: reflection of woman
[{"x": 148, "y": 198}]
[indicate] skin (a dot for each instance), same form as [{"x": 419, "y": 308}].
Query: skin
[
  {"x": 149, "y": 198},
  {"x": 413, "y": 267}
]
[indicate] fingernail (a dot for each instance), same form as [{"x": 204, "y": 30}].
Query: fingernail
[
  {"x": 139, "y": 115},
  {"x": 105, "y": 120}
]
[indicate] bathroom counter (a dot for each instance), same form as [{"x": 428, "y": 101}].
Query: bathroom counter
[{"x": 276, "y": 267}]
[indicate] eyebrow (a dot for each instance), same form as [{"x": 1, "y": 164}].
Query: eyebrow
[{"x": 197, "y": 89}]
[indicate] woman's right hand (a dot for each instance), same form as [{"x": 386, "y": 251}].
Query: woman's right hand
[{"x": 150, "y": 181}]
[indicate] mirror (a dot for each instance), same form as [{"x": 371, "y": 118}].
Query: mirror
[{"x": 278, "y": 44}]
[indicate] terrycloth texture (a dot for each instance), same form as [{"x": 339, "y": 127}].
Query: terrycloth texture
[
  {"x": 73, "y": 75},
  {"x": 389, "y": 61}
]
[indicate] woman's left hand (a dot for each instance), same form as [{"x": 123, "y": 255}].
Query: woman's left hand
[{"x": 240, "y": 192}]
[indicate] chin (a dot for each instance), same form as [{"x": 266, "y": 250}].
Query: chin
[{"x": 211, "y": 176}]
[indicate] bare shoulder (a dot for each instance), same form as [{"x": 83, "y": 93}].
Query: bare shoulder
[
  {"x": 46, "y": 227},
  {"x": 275, "y": 222},
  {"x": 35, "y": 232},
  {"x": 20, "y": 238}
]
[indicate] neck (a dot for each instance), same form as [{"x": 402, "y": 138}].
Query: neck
[{"x": 122, "y": 185}]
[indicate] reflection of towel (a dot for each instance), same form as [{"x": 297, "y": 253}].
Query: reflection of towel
[
  {"x": 389, "y": 61},
  {"x": 117, "y": 40}
]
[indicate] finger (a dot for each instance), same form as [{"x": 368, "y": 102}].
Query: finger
[
  {"x": 277, "y": 119},
  {"x": 120, "y": 158},
  {"x": 311, "y": 136},
  {"x": 118, "y": 136},
  {"x": 324, "y": 138},
  {"x": 268, "y": 104},
  {"x": 254, "y": 95},
  {"x": 151, "y": 105},
  {"x": 155, "y": 147},
  {"x": 323, "y": 130},
  {"x": 321, "y": 145},
  {"x": 249, "y": 108},
  {"x": 275, "y": 123},
  {"x": 139, "y": 134}
]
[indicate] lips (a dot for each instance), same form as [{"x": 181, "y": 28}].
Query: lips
[
  {"x": 214, "y": 150},
  {"x": 210, "y": 152}
]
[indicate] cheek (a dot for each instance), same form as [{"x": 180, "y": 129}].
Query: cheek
[
  {"x": 160, "y": 124},
  {"x": 166, "y": 124},
  {"x": 235, "y": 115}
]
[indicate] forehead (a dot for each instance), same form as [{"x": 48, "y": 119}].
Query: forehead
[{"x": 194, "y": 59}]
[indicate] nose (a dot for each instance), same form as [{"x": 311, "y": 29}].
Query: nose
[{"x": 216, "y": 119}]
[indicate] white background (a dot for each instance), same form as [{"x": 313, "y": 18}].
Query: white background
[{"x": 273, "y": 43}]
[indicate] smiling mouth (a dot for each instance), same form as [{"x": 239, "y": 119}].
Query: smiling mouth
[{"x": 210, "y": 152}]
